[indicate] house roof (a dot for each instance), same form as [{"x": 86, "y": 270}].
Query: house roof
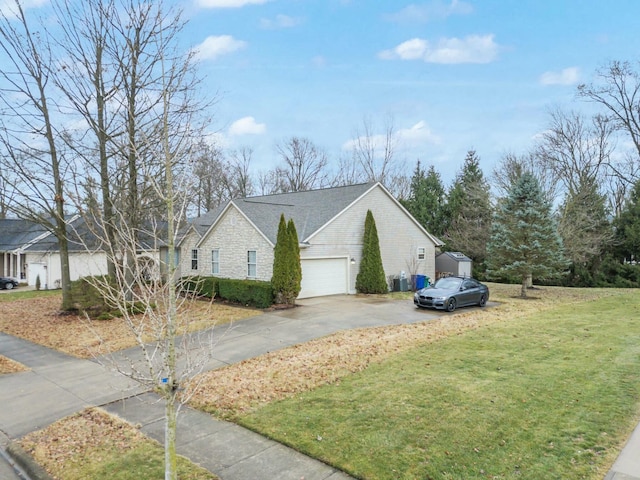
[
  {"x": 310, "y": 210},
  {"x": 16, "y": 233},
  {"x": 457, "y": 256},
  {"x": 26, "y": 235}
]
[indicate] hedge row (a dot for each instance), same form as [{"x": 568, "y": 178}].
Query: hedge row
[{"x": 247, "y": 292}]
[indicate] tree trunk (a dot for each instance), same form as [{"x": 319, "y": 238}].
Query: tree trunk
[
  {"x": 170, "y": 457},
  {"x": 523, "y": 289}
]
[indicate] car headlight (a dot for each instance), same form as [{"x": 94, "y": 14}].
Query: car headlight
[{"x": 439, "y": 298}]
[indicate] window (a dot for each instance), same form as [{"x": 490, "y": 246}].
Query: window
[
  {"x": 194, "y": 259},
  {"x": 252, "y": 264},
  {"x": 215, "y": 262},
  {"x": 422, "y": 253},
  {"x": 176, "y": 257}
]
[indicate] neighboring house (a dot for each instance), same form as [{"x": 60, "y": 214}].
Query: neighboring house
[
  {"x": 453, "y": 263},
  {"x": 237, "y": 240},
  {"x": 28, "y": 250}
]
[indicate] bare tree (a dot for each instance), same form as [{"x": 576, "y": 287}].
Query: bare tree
[
  {"x": 375, "y": 155},
  {"x": 210, "y": 170},
  {"x": 577, "y": 152},
  {"x": 511, "y": 167},
  {"x": 574, "y": 149},
  {"x": 29, "y": 137},
  {"x": 348, "y": 173},
  {"x": 618, "y": 90},
  {"x": 89, "y": 79},
  {"x": 8, "y": 192},
  {"x": 304, "y": 165},
  {"x": 239, "y": 181},
  {"x": 160, "y": 121}
]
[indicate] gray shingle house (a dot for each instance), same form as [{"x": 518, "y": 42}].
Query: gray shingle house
[
  {"x": 29, "y": 250},
  {"x": 237, "y": 240}
]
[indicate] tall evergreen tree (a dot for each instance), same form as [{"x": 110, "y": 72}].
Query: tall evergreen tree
[
  {"x": 586, "y": 232},
  {"x": 469, "y": 211},
  {"x": 524, "y": 240},
  {"x": 294, "y": 259},
  {"x": 426, "y": 200},
  {"x": 280, "y": 275},
  {"x": 628, "y": 228},
  {"x": 371, "y": 277}
]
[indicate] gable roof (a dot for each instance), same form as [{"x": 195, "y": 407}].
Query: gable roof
[
  {"x": 310, "y": 210},
  {"x": 457, "y": 256},
  {"x": 17, "y": 233}
]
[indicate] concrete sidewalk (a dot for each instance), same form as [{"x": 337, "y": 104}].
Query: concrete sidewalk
[
  {"x": 59, "y": 385},
  {"x": 226, "y": 449}
]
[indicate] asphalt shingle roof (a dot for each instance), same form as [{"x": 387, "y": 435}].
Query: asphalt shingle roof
[
  {"x": 310, "y": 210},
  {"x": 15, "y": 233}
]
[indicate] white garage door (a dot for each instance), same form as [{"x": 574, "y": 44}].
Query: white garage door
[{"x": 325, "y": 276}]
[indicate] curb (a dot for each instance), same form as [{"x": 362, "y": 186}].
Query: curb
[{"x": 26, "y": 462}]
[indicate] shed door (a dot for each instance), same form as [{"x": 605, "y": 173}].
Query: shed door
[{"x": 324, "y": 276}]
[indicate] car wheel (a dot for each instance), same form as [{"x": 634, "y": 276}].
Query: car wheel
[
  {"x": 8, "y": 286},
  {"x": 451, "y": 305},
  {"x": 483, "y": 300}
]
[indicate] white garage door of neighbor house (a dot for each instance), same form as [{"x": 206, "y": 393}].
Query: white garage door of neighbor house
[
  {"x": 35, "y": 269},
  {"x": 325, "y": 276}
]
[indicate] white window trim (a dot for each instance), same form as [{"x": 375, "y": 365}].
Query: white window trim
[
  {"x": 214, "y": 262},
  {"x": 255, "y": 264},
  {"x": 194, "y": 258}
]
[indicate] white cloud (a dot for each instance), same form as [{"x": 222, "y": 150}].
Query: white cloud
[
  {"x": 471, "y": 49},
  {"x": 216, "y": 46},
  {"x": 281, "y": 21},
  {"x": 416, "y": 135},
  {"x": 8, "y": 7},
  {"x": 247, "y": 126},
  {"x": 435, "y": 10},
  {"x": 568, "y": 76},
  {"x": 228, "y": 3}
]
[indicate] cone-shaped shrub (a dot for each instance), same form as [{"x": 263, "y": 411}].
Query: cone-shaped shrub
[
  {"x": 287, "y": 270},
  {"x": 371, "y": 277},
  {"x": 279, "y": 277},
  {"x": 294, "y": 258}
]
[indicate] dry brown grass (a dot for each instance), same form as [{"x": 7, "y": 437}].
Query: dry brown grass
[
  {"x": 94, "y": 444},
  {"x": 38, "y": 320},
  {"x": 9, "y": 366},
  {"x": 241, "y": 387}
]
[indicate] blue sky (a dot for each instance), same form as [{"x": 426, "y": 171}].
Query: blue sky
[{"x": 453, "y": 75}]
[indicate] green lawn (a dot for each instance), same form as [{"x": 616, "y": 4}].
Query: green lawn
[
  {"x": 551, "y": 395},
  {"x": 20, "y": 293}
]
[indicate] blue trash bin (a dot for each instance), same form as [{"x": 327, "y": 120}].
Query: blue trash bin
[{"x": 420, "y": 281}]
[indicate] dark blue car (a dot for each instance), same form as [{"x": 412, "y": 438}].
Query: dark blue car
[
  {"x": 449, "y": 293},
  {"x": 8, "y": 283}
]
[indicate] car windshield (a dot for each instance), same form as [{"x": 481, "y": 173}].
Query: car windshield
[{"x": 448, "y": 283}]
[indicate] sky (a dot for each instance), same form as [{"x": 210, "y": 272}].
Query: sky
[{"x": 451, "y": 75}]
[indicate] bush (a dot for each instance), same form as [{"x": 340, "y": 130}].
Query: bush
[
  {"x": 247, "y": 292},
  {"x": 199, "y": 286},
  {"x": 87, "y": 298}
]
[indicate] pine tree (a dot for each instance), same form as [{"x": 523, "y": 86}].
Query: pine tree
[
  {"x": 426, "y": 200},
  {"x": 371, "y": 277},
  {"x": 470, "y": 212},
  {"x": 295, "y": 265},
  {"x": 628, "y": 228},
  {"x": 524, "y": 240}
]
